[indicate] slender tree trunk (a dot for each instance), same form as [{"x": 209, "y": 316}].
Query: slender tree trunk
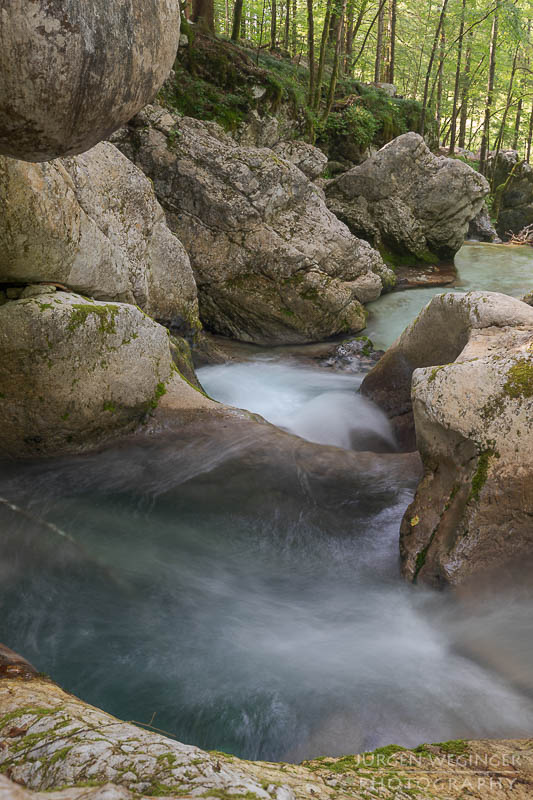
[
  {"x": 237, "y": 17},
  {"x": 311, "y": 49},
  {"x": 287, "y": 25},
  {"x": 440, "y": 78},
  {"x": 203, "y": 14},
  {"x": 529, "y": 136},
  {"x": 430, "y": 66},
  {"x": 501, "y": 133},
  {"x": 463, "y": 119},
  {"x": 457, "y": 85},
  {"x": 273, "y": 23},
  {"x": 294, "y": 32},
  {"x": 226, "y": 17},
  {"x": 490, "y": 92},
  {"x": 379, "y": 44},
  {"x": 322, "y": 58},
  {"x": 392, "y": 41},
  {"x": 336, "y": 59},
  {"x": 517, "y": 121}
]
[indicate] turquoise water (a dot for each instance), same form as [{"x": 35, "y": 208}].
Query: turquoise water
[{"x": 494, "y": 268}]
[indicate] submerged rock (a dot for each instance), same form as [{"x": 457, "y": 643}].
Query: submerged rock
[
  {"x": 71, "y": 73},
  {"x": 413, "y": 206},
  {"x": 106, "y": 238},
  {"x": 272, "y": 264},
  {"x": 470, "y": 357},
  {"x": 75, "y": 372}
]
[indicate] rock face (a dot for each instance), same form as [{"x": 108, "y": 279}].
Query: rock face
[
  {"x": 73, "y": 72},
  {"x": 481, "y": 228},
  {"x": 54, "y": 742},
  {"x": 271, "y": 263},
  {"x": 516, "y": 200},
  {"x": 309, "y": 159},
  {"x": 470, "y": 357},
  {"x": 107, "y": 238},
  {"x": 74, "y": 372},
  {"x": 413, "y": 206}
]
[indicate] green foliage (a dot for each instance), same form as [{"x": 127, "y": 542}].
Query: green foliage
[{"x": 355, "y": 122}]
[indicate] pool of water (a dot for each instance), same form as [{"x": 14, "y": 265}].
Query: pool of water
[
  {"x": 493, "y": 268},
  {"x": 243, "y": 593}
]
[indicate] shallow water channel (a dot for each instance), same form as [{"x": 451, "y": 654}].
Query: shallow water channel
[{"x": 249, "y": 600}]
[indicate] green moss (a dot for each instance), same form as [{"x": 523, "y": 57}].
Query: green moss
[
  {"x": 520, "y": 379},
  {"x": 109, "y": 406},
  {"x": 59, "y": 755},
  {"x": 455, "y": 747},
  {"x": 434, "y": 373},
  {"x": 422, "y": 557},
  {"x": 28, "y": 710},
  {"x": 480, "y": 475},
  {"x": 105, "y": 313}
]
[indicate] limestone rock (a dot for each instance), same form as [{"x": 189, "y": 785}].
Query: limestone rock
[
  {"x": 437, "y": 336},
  {"x": 73, "y": 72},
  {"x": 107, "y": 238},
  {"x": 75, "y": 372},
  {"x": 56, "y": 746},
  {"x": 271, "y": 263},
  {"x": 470, "y": 357},
  {"x": 410, "y": 204},
  {"x": 516, "y": 200},
  {"x": 309, "y": 159},
  {"x": 481, "y": 228}
]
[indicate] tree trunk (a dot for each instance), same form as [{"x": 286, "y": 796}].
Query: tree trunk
[
  {"x": 203, "y": 15},
  {"x": 273, "y": 23},
  {"x": 490, "y": 92},
  {"x": 294, "y": 29},
  {"x": 379, "y": 44},
  {"x": 430, "y": 66},
  {"x": 311, "y": 49},
  {"x": 237, "y": 17},
  {"x": 529, "y": 136},
  {"x": 322, "y": 58},
  {"x": 335, "y": 68},
  {"x": 440, "y": 78},
  {"x": 392, "y": 41},
  {"x": 287, "y": 25},
  {"x": 457, "y": 86},
  {"x": 463, "y": 119}
]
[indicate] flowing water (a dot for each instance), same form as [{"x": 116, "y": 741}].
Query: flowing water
[{"x": 245, "y": 587}]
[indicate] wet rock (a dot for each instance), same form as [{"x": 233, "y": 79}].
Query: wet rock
[
  {"x": 107, "y": 238},
  {"x": 413, "y": 206},
  {"x": 272, "y": 264},
  {"x": 354, "y": 355},
  {"x": 71, "y": 73},
  {"x": 71, "y": 750},
  {"x": 464, "y": 371}
]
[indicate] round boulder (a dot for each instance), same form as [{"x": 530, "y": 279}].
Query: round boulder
[{"x": 73, "y": 71}]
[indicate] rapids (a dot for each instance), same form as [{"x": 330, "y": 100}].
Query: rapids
[{"x": 248, "y": 599}]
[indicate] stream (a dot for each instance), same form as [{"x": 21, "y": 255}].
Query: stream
[{"x": 248, "y": 599}]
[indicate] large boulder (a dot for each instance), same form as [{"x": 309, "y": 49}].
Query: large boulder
[
  {"x": 74, "y": 372},
  {"x": 107, "y": 238},
  {"x": 410, "y": 204},
  {"x": 73, "y": 72},
  {"x": 272, "y": 264},
  {"x": 437, "y": 336},
  {"x": 467, "y": 362},
  {"x": 306, "y": 157},
  {"x": 513, "y": 182},
  {"x": 481, "y": 228}
]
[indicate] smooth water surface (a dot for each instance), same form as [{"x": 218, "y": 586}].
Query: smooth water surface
[{"x": 489, "y": 267}]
